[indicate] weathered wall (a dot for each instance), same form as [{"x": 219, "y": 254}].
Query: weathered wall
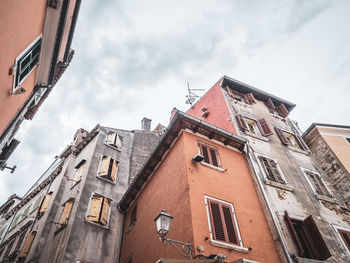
[
  {"x": 168, "y": 189},
  {"x": 21, "y": 23},
  {"x": 235, "y": 186}
]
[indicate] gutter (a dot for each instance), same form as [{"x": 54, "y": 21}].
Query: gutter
[
  {"x": 121, "y": 239},
  {"x": 72, "y": 29},
  {"x": 268, "y": 204}
]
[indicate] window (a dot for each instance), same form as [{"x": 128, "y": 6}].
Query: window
[
  {"x": 38, "y": 202},
  {"x": 316, "y": 182},
  {"x": 223, "y": 225},
  {"x": 348, "y": 139},
  {"x": 45, "y": 203},
  {"x": 133, "y": 216},
  {"x": 210, "y": 154},
  {"x": 291, "y": 139},
  {"x": 26, "y": 211},
  {"x": 307, "y": 238},
  {"x": 99, "y": 209},
  {"x": 271, "y": 169},
  {"x": 16, "y": 220},
  {"x": 280, "y": 110},
  {"x": 26, "y": 63},
  {"x": 345, "y": 235},
  {"x": 247, "y": 98},
  {"x": 65, "y": 214},
  {"x": 108, "y": 168},
  {"x": 259, "y": 127},
  {"x": 114, "y": 139},
  {"x": 27, "y": 245},
  {"x": 9, "y": 248},
  {"x": 79, "y": 170}
]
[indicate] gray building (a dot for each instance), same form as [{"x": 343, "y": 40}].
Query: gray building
[{"x": 70, "y": 214}]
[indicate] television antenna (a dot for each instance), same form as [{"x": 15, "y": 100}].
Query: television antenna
[{"x": 191, "y": 97}]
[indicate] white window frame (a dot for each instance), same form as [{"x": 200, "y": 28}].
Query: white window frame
[
  {"x": 262, "y": 169},
  {"x": 214, "y": 242},
  {"x": 336, "y": 227},
  {"x": 14, "y": 80},
  {"x": 89, "y": 207},
  {"x": 219, "y": 167},
  {"x": 304, "y": 170},
  {"x": 255, "y": 126}
]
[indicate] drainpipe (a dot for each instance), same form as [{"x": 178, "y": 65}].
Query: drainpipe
[
  {"x": 268, "y": 204},
  {"x": 121, "y": 237}
]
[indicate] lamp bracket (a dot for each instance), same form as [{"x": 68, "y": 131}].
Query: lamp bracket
[{"x": 186, "y": 247}]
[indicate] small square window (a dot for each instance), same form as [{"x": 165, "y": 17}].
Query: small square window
[{"x": 210, "y": 154}]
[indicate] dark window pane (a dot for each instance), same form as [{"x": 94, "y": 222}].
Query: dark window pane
[
  {"x": 218, "y": 228},
  {"x": 229, "y": 225},
  {"x": 213, "y": 157},
  {"x": 205, "y": 154}
]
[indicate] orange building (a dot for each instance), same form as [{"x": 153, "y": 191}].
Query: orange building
[
  {"x": 36, "y": 37},
  {"x": 213, "y": 201}
]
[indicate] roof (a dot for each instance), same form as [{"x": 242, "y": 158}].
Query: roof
[
  {"x": 313, "y": 125},
  {"x": 180, "y": 121},
  {"x": 258, "y": 94}
]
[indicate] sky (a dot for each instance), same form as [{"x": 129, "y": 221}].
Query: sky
[{"x": 133, "y": 59}]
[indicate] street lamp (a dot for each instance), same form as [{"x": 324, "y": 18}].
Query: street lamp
[{"x": 163, "y": 221}]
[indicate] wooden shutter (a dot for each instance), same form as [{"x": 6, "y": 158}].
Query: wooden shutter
[
  {"x": 204, "y": 151},
  {"x": 214, "y": 160},
  {"x": 105, "y": 211},
  {"x": 317, "y": 239},
  {"x": 281, "y": 136},
  {"x": 293, "y": 233},
  {"x": 216, "y": 221},
  {"x": 27, "y": 244},
  {"x": 276, "y": 173},
  {"x": 66, "y": 212},
  {"x": 79, "y": 172},
  {"x": 118, "y": 142},
  {"x": 264, "y": 127},
  {"x": 111, "y": 138},
  {"x": 114, "y": 170},
  {"x": 270, "y": 105},
  {"x": 302, "y": 143},
  {"x": 45, "y": 203},
  {"x": 95, "y": 209},
  {"x": 231, "y": 233},
  {"x": 249, "y": 98},
  {"x": 282, "y": 110},
  {"x": 242, "y": 124},
  {"x": 104, "y": 166},
  {"x": 229, "y": 91}
]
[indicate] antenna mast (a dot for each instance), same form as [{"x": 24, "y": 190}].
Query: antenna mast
[{"x": 191, "y": 97}]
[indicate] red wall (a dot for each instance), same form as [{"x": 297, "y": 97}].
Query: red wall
[{"x": 215, "y": 103}]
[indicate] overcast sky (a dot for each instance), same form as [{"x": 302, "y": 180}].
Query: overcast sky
[{"x": 133, "y": 59}]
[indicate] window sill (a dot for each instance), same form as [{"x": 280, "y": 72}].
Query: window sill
[
  {"x": 106, "y": 180},
  {"x": 257, "y": 136},
  {"x": 296, "y": 149},
  {"x": 96, "y": 224},
  {"x": 279, "y": 185},
  {"x": 113, "y": 147},
  {"x": 308, "y": 260},
  {"x": 213, "y": 167},
  {"x": 229, "y": 246},
  {"x": 331, "y": 200}
]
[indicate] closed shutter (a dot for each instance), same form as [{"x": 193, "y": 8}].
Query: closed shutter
[
  {"x": 111, "y": 138},
  {"x": 264, "y": 127},
  {"x": 294, "y": 234},
  {"x": 105, "y": 211},
  {"x": 95, "y": 208},
  {"x": 213, "y": 157},
  {"x": 242, "y": 124},
  {"x": 204, "y": 150},
  {"x": 281, "y": 136},
  {"x": 302, "y": 143},
  {"x": 270, "y": 105},
  {"x": 231, "y": 233},
  {"x": 104, "y": 166},
  {"x": 66, "y": 212},
  {"x": 275, "y": 171},
  {"x": 217, "y": 224},
  {"x": 317, "y": 240},
  {"x": 249, "y": 98},
  {"x": 282, "y": 110},
  {"x": 45, "y": 203},
  {"x": 27, "y": 244},
  {"x": 118, "y": 142},
  {"x": 114, "y": 170}
]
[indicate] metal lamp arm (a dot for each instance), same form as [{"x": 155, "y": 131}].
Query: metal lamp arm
[{"x": 186, "y": 247}]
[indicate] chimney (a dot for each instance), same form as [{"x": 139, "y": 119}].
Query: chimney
[
  {"x": 79, "y": 136},
  {"x": 146, "y": 124}
]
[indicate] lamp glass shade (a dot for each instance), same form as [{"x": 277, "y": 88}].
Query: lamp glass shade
[{"x": 163, "y": 221}]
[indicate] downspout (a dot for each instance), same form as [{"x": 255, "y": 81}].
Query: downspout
[
  {"x": 268, "y": 204},
  {"x": 121, "y": 237}
]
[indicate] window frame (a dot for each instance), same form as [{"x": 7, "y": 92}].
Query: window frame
[
  {"x": 209, "y": 147},
  {"x": 114, "y": 144},
  {"x": 60, "y": 226},
  {"x": 213, "y": 241},
  {"x": 20, "y": 57},
  {"x": 343, "y": 229},
  {"x": 305, "y": 171},
  {"x": 261, "y": 127},
  {"x": 300, "y": 145},
  {"x": 262, "y": 168},
  {"x": 110, "y": 170},
  {"x": 89, "y": 210}
]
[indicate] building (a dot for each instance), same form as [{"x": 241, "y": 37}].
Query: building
[
  {"x": 299, "y": 199},
  {"x": 214, "y": 203},
  {"x": 36, "y": 39},
  {"x": 70, "y": 214},
  {"x": 330, "y": 145}
]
